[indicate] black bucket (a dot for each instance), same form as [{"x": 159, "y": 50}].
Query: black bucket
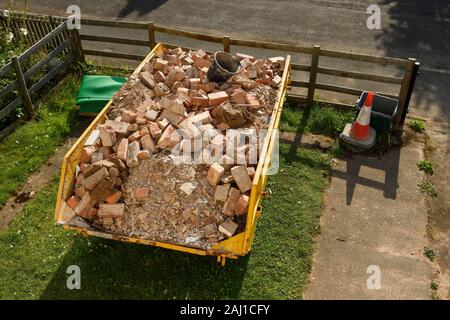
[{"x": 223, "y": 67}]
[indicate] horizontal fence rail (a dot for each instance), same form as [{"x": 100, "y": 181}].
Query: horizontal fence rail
[
  {"x": 49, "y": 34},
  {"x": 405, "y": 83}
]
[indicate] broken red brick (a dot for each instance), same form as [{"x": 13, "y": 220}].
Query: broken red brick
[
  {"x": 147, "y": 143},
  {"x": 107, "y": 135},
  {"x": 147, "y": 79},
  {"x": 228, "y": 227},
  {"x": 170, "y": 138},
  {"x": 135, "y": 136},
  {"x": 221, "y": 193},
  {"x": 73, "y": 202},
  {"x": 114, "y": 198},
  {"x": 129, "y": 116},
  {"x": 133, "y": 150},
  {"x": 116, "y": 210},
  {"x": 141, "y": 193},
  {"x": 155, "y": 130},
  {"x": 215, "y": 172},
  {"x": 86, "y": 154},
  {"x": 151, "y": 115},
  {"x": 242, "y": 178},
  {"x": 217, "y": 98},
  {"x": 92, "y": 181},
  {"x": 242, "y": 204},
  {"x": 122, "y": 149},
  {"x": 143, "y": 155}
]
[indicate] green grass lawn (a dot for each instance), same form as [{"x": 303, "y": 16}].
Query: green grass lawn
[
  {"x": 319, "y": 120},
  {"x": 35, "y": 254},
  {"x": 27, "y": 148},
  {"x": 32, "y": 143}
]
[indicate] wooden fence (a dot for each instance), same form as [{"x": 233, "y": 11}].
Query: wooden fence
[
  {"x": 57, "y": 41},
  {"x": 405, "y": 83}
]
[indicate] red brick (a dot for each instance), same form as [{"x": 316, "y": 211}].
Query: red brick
[
  {"x": 86, "y": 154},
  {"x": 133, "y": 150},
  {"x": 174, "y": 105},
  {"x": 141, "y": 120},
  {"x": 215, "y": 172},
  {"x": 199, "y": 101},
  {"x": 217, "y": 98},
  {"x": 116, "y": 210},
  {"x": 107, "y": 135},
  {"x": 93, "y": 180},
  {"x": 147, "y": 79},
  {"x": 84, "y": 206},
  {"x": 252, "y": 100},
  {"x": 238, "y": 97},
  {"x": 129, "y": 116},
  {"x": 170, "y": 138},
  {"x": 228, "y": 227},
  {"x": 80, "y": 191},
  {"x": 155, "y": 130},
  {"x": 208, "y": 86},
  {"x": 275, "y": 81},
  {"x": 151, "y": 115},
  {"x": 147, "y": 143},
  {"x": 122, "y": 150},
  {"x": 202, "y": 63},
  {"x": 114, "y": 198},
  {"x": 135, "y": 136},
  {"x": 160, "y": 64},
  {"x": 221, "y": 193},
  {"x": 201, "y": 118},
  {"x": 119, "y": 127},
  {"x": 141, "y": 193},
  {"x": 264, "y": 80},
  {"x": 162, "y": 124},
  {"x": 242, "y": 204},
  {"x": 159, "y": 77},
  {"x": 143, "y": 155},
  {"x": 195, "y": 83},
  {"x": 73, "y": 202},
  {"x": 189, "y": 129},
  {"x": 251, "y": 171},
  {"x": 230, "y": 204},
  {"x": 172, "y": 117},
  {"x": 242, "y": 178}
]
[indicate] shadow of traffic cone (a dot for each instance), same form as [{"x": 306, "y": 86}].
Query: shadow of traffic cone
[
  {"x": 360, "y": 128},
  {"x": 359, "y": 135}
]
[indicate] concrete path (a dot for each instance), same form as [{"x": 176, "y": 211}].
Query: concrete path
[{"x": 374, "y": 215}]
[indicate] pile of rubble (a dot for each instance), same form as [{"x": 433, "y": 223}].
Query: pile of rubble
[{"x": 131, "y": 182}]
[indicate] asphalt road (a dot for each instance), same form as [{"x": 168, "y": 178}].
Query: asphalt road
[{"x": 409, "y": 28}]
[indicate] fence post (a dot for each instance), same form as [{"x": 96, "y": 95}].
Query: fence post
[
  {"x": 406, "y": 91},
  {"x": 313, "y": 74},
  {"x": 226, "y": 43},
  {"x": 23, "y": 88},
  {"x": 151, "y": 35},
  {"x": 76, "y": 45}
]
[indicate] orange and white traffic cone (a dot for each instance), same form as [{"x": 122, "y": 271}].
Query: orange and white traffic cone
[
  {"x": 358, "y": 135},
  {"x": 360, "y": 128}
]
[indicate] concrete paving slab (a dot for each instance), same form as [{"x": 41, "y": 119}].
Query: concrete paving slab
[{"x": 373, "y": 215}]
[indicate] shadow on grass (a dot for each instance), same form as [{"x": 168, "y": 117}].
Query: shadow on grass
[
  {"x": 114, "y": 270},
  {"x": 277, "y": 267}
]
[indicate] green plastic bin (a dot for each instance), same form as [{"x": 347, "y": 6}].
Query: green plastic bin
[
  {"x": 96, "y": 91},
  {"x": 384, "y": 111}
]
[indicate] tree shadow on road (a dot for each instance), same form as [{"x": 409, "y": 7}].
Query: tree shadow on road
[
  {"x": 422, "y": 29},
  {"x": 141, "y": 7}
]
